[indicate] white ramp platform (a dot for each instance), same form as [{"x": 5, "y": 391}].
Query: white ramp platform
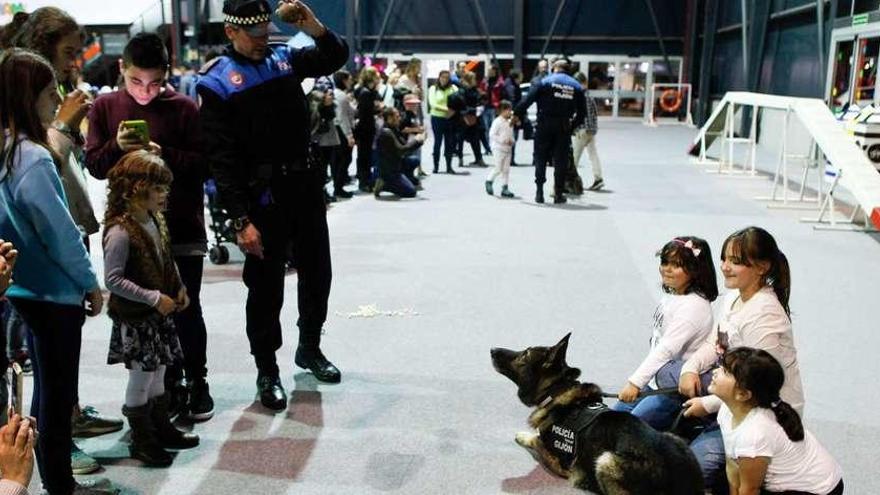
[{"x": 857, "y": 173}]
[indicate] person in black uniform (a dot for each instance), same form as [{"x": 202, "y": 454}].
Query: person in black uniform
[
  {"x": 560, "y": 101},
  {"x": 255, "y": 119}
]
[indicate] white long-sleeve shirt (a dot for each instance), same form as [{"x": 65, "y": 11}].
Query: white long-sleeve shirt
[
  {"x": 681, "y": 324},
  {"x": 345, "y": 112},
  {"x": 501, "y": 134},
  {"x": 760, "y": 323}
]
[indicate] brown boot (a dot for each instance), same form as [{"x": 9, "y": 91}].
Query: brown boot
[{"x": 144, "y": 445}]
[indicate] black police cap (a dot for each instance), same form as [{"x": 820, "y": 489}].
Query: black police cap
[{"x": 246, "y": 12}]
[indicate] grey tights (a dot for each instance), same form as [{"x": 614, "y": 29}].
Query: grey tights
[{"x": 144, "y": 385}]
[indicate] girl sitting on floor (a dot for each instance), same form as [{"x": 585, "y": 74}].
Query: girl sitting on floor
[
  {"x": 755, "y": 313},
  {"x": 682, "y": 322},
  {"x": 767, "y": 448}
]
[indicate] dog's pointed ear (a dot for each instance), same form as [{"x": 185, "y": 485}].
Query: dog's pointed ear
[{"x": 558, "y": 351}]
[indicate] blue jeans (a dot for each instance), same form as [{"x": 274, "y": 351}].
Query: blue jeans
[
  {"x": 659, "y": 411},
  {"x": 708, "y": 448},
  {"x": 400, "y": 186},
  {"x": 408, "y": 166}
]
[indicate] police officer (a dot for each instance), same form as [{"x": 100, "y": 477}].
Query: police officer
[
  {"x": 560, "y": 101},
  {"x": 255, "y": 121}
]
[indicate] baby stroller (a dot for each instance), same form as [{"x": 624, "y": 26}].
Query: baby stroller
[{"x": 220, "y": 226}]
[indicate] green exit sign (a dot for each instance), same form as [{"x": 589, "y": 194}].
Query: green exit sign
[{"x": 859, "y": 19}]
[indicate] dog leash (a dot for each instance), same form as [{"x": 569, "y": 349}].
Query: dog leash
[
  {"x": 660, "y": 391},
  {"x": 647, "y": 393}
]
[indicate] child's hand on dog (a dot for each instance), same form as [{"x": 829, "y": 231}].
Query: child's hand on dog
[{"x": 629, "y": 393}]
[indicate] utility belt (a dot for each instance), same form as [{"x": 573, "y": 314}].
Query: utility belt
[
  {"x": 269, "y": 177},
  {"x": 553, "y": 125}
]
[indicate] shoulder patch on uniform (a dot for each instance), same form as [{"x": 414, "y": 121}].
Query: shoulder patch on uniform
[{"x": 209, "y": 65}]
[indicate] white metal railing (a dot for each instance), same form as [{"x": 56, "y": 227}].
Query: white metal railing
[{"x": 828, "y": 142}]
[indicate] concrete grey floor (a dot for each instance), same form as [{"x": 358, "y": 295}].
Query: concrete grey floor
[{"x": 420, "y": 409}]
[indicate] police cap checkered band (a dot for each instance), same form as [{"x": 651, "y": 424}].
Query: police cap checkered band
[{"x": 246, "y": 12}]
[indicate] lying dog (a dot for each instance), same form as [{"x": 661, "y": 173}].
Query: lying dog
[{"x": 579, "y": 438}]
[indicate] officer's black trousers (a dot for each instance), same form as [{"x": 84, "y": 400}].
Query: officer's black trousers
[
  {"x": 295, "y": 223},
  {"x": 552, "y": 142}
]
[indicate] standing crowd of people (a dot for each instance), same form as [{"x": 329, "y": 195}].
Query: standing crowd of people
[{"x": 156, "y": 147}]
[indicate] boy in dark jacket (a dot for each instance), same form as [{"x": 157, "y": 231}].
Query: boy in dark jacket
[{"x": 173, "y": 134}]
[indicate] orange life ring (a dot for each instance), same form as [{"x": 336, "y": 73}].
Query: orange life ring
[{"x": 670, "y": 100}]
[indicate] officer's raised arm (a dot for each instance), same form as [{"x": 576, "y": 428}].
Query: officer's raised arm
[{"x": 330, "y": 51}]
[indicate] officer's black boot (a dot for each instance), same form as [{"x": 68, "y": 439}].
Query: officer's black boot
[
  {"x": 272, "y": 394},
  {"x": 309, "y": 356},
  {"x": 436, "y": 164},
  {"x": 539, "y": 194},
  {"x": 269, "y": 387},
  {"x": 559, "y": 195}
]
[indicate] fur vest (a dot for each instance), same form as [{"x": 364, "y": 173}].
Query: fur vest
[{"x": 145, "y": 267}]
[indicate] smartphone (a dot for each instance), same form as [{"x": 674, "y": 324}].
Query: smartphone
[{"x": 140, "y": 127}]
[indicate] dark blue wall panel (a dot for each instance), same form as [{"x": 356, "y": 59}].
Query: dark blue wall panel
[
  {"x": 330, "y": 12},
  {"x": 792, "y": 67},
  {"x": 727, "y": 66},
  {"x": 606, "y": 17},
  {"x": 594, "y": 26},
  {"x": 790, "y": 64},
  {"x": 437, "y": 17}
]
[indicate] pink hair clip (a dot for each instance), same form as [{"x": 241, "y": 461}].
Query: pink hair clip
[{"x": 690, "y": 245}]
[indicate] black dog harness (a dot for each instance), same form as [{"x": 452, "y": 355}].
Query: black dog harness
[{"x": 561, "y": 437}]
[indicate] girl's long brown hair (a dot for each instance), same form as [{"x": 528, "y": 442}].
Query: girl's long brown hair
[
  {"x": 23, "y": 76},
  {"x": 761, "y": 374},
  {"x": 131, "y": 178},
  {"x": 43, "y": 29},
  {"x": 754, "y": 244}
]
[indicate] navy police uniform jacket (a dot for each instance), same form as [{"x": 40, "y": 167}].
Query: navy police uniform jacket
[
  {"x": 255, "y": 116},
  {"x": 560, "y": 100}
]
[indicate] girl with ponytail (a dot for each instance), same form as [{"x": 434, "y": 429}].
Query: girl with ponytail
[
  {"x": 765, "y": 443},
  {"x": 755, "y": 313}
]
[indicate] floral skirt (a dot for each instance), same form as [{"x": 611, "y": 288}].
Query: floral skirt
[{"x": 146, "y": 344}]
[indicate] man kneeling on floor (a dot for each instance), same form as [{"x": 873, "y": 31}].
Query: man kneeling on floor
[{"x": 393, "y": 147}]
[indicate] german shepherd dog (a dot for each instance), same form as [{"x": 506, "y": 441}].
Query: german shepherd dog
[{"x": 612, "y": 453}]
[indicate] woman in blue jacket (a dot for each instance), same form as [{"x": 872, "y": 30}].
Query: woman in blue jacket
[{"x": 53, "y": 275}]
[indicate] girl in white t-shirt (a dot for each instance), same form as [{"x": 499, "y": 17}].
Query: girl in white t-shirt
[
  {"x": 682, "y": 322},
  {"x": 755, "y": 313},
  {"x": 765, "y": 443}
]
